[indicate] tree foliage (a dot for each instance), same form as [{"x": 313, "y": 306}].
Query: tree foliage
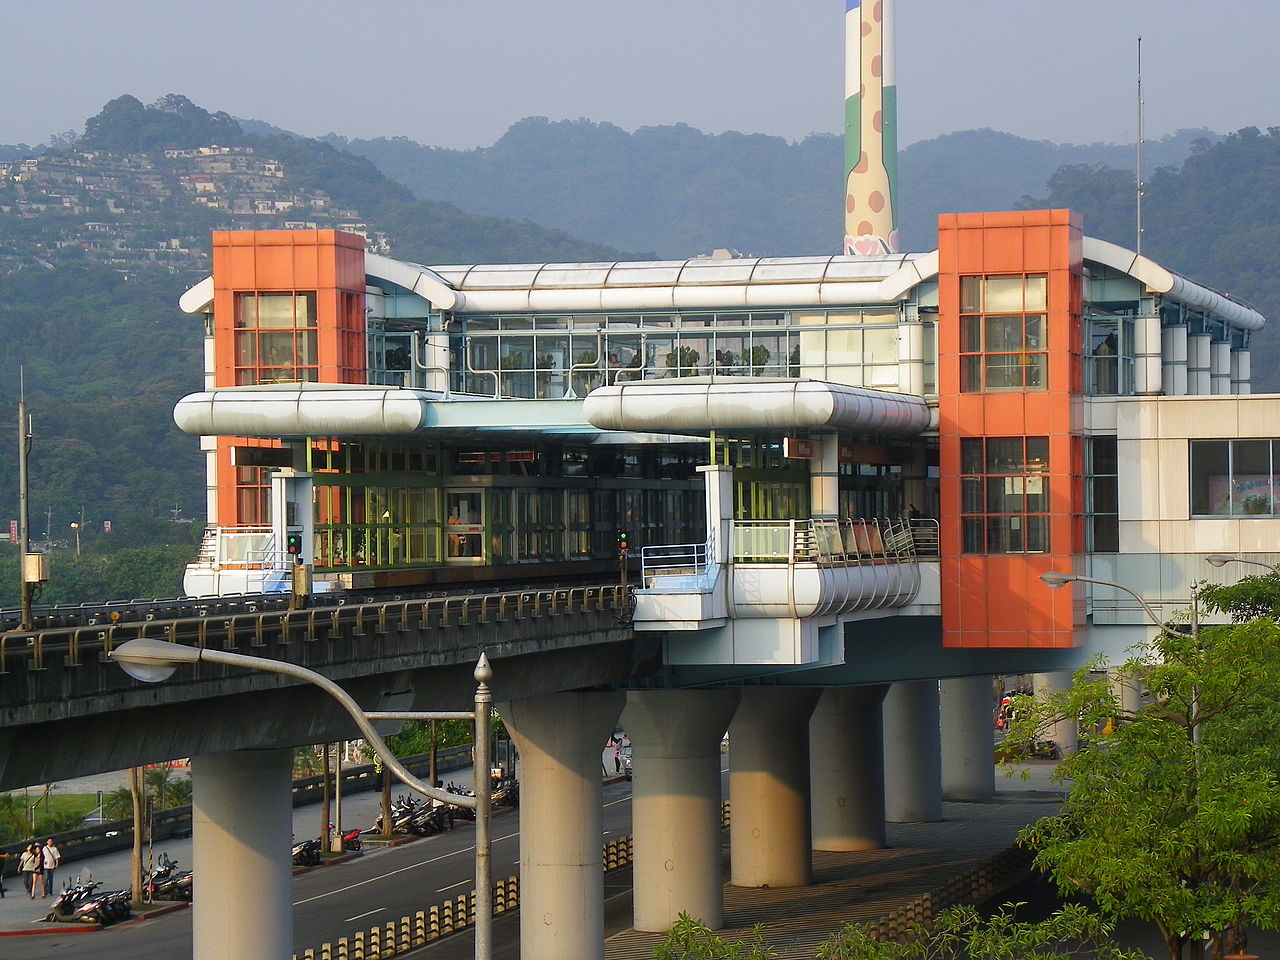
[
  {"x": 958, "y": 933},
  {"x": 1173, "y": 811}
]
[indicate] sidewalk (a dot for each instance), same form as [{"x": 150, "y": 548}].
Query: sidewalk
[
  {"x": 865, "y": 885},
  {"x": 871, "y": 885},
  {"x": 18, "y": 913}
]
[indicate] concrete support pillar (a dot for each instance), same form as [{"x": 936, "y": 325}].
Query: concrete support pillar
[
  {"x": 561, "y": 881},
  {"x": 824, "y": 477},
  {"x": 1127, "y": 692},
  {"x": 1064, "y": 733},
  {"x": 1175, "y": 358},
  {"x": 1241, "y": 371},
  {"x": 1147, "y": 369},
  {"x": 1220, "y": 367},
  {"x": 912, "y": 753},
  {"x": 676, "y": 797},
  {"x": 846, "y": 766},
  {"x": 968, "y": 754},
  {"x": 718, "y": 491},
  {"x": 1198, "y": 345},
  {"x": 911, "y": 356},
  {"x": 769, "y": 787},
  {"x": 242, "y": 822}
]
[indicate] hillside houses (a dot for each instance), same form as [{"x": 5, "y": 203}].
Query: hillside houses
[{"x": 126, "y": 209}]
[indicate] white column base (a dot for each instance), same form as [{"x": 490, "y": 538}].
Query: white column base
[
  {"x": 559, "y": 737},
  {"x": 242, "y": 824},
  {"x": 769, "y": 836},
  {"x": 968, "y": 741},
  {"x": 846, "y": 765},
  {"x": 675, "y": 802},
  {"x": 912, "y": 753}
]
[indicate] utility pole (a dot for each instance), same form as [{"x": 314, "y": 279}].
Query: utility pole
[{"x": 24, "y": 531}]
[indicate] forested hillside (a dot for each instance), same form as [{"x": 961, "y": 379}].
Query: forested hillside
[
  {"x": 1215, "y": 219},
  {"x": 89, "y": 279},
  {"x": 682, "y": 192},
  {"x": 98, "y": 238}
]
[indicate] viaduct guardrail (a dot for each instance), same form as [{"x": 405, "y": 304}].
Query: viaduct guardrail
[
  {"x": 66, "y": 710},
  {"x": 60, "y": 665}
]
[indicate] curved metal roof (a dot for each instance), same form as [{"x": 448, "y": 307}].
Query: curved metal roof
[
  {"x": 708, "y": 283},
  {"x": 699, "y": 404}
]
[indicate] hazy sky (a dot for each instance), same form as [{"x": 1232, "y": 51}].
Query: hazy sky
[{"x": 457, "y": 73}]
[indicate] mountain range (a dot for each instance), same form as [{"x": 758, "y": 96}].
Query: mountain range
[{"x": 101, "y": 232}]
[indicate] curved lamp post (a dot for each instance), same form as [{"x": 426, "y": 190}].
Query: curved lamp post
[
  {"x": 1222, "y": 559},
  {"x": 1053, "y": 580},
  {"x": 151, "y": 661}
]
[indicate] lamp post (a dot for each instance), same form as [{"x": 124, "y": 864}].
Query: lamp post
[
  {"x": 1222, "y": 559},
  {"x": 1054, "y": 580},
  {"x": 152, "y": 661}
]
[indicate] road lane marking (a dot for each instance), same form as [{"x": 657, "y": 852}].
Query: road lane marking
[
  {"x": 361, "y": 916},
  {"x": 392, "y": 873},
  {"x": 460, "y": 883}
]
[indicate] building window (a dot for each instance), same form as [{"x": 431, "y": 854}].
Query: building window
[
  {"x": 1004, "y": 494},
  {"x": 275, "y": 337},
  {"x": 1102, "y": 520},
  {"x": 1002, "y": 333},
  {"x": 1234, "y": 478}
]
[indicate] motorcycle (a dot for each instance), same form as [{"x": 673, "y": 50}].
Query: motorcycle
[
  {"x": 306, "y": 853},
  {"x": 350, "y": 839},
  {"x": 166, "y": 882},
  {"x": 84, "y": 903}
]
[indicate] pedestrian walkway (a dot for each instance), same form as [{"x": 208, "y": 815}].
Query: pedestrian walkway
[
  {"x": 870, "y": 885},
  {"x": 847, "y": 886}
]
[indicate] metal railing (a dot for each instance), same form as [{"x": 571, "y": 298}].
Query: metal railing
[
  {"x": 674, "y": 560},
  {"x": 72, "y": 646},
  {"x": 824, "y": 541}
]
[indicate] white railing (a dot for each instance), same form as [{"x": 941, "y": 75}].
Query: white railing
[
  {"x": 675, "y": 560},
  {"x": 823, "y": 541}
]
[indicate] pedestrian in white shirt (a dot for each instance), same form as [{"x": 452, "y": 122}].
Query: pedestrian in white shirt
[{"x": 52, "y": 857}]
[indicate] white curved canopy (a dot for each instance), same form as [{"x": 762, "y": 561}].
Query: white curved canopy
[
  {"x": 697, "y": 404},
  {"x": 303, "y": 412}
]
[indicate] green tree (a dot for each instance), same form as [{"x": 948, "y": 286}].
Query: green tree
[
  {"x": 960, "y": 933},
  {"x": 1173, "y": 811},
  {"x": 691, "y": 939}
]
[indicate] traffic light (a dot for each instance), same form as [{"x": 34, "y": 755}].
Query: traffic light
[
  {"x": 623, "y": 541},
  {"x": 293, "y": 544}
]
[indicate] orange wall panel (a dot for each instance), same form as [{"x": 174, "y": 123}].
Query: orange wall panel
[
  {"x": 326, "y": 262},
  {"x": 997, "y": 600}
]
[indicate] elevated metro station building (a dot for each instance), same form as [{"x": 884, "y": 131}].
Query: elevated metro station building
[
  {"x": 790, "y": 445},
  {"x": 840, "y": 479}
]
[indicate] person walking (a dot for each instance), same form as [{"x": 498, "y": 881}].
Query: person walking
[
  {"x": 52, "y": 858},
  {"x": 4, "y": 865},
  {"x": 27, "y": 864}
]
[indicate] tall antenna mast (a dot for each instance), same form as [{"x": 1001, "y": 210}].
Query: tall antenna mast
[{"x": 1141, "y": 185}]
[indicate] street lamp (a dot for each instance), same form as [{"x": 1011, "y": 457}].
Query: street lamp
[
  {"x": 1053, "y": 580},
  {"x": 1222, "y": 559},
  {"x": 152, "y": 661}
]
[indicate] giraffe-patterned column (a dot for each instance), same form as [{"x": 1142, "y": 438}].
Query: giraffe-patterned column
[{"x": 870, "y": 128}]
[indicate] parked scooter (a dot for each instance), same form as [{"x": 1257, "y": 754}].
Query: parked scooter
[
  {"x": 306, "y": 853},
  {"x": 84, "y": 903},
  {"x": 350, "y": 839},
  {"x": 167, "y": 882}
]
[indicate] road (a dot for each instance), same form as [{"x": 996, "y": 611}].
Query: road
[{"x": 334, "y": 901}]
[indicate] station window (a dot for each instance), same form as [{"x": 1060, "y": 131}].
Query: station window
[
  {"x": 1234, "y": 478},
  {"x": 275, "y": 337},
  {"x": 1102, "y": 530},
  {"x": 1002, "y": 333},
  {"x": 1005, "y": 494}
]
